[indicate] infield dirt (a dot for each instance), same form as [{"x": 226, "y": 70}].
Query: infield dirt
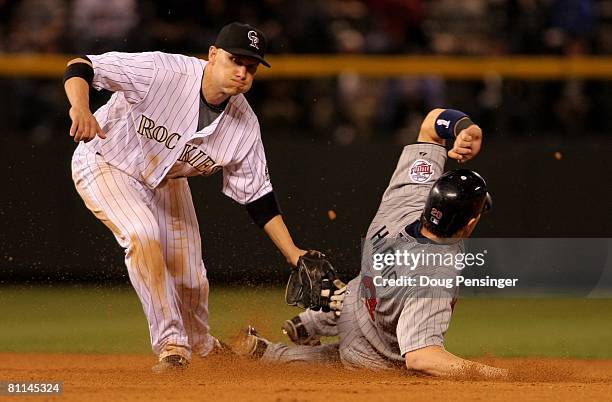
[{"x": 128, "y": 377}]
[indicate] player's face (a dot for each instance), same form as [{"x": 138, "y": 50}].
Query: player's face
[{"x": 234, "y": 73}]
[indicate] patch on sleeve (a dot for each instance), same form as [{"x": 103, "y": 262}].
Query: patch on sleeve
[{"x": 421, "y": 171}]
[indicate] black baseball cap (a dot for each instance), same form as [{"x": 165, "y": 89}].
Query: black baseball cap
[{"x": 243, "y": 40}]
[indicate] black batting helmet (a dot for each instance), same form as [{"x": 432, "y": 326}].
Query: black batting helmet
[{"x": 455, "y": 198}]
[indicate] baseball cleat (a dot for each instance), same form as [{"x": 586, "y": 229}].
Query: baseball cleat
[
  {"x": 250, "y": 344},
  {"x": 170, "y": 364},
  {"x": 295, "y": 330}
]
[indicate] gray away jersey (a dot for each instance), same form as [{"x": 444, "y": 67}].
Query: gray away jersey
[{"x": 399, "y": 319}]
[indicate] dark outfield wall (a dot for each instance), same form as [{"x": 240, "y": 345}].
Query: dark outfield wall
[{"x": 48, "y": 235}]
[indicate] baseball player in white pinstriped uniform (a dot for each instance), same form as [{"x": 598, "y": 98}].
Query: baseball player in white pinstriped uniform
[
  {"x": 171, "y": 117},
  {"x": 424, "y": 212}
]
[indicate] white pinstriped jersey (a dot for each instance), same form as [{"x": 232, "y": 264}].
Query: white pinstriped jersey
[
  {"x": 399, "y": 319},
  {"x": 151, "y": 125}
]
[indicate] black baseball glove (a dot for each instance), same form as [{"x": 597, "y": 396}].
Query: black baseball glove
[{"x": 313, "y": 283}]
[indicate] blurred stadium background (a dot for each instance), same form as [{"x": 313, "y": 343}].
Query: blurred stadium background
[{"x": 350, "y": 82}]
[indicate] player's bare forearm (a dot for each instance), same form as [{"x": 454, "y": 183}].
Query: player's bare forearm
[
  {"x": 466, "y": 144},
  {"x": 84, "y": 125},
  {"x": 77, "y": 89},
  {"x": 427, "y": 133},
  {"x": 436, "y": 361},
  {"x": 279, "y": 234}
]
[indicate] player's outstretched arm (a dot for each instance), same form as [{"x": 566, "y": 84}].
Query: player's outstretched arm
[
  {"x": 441, "y": 125},
  {"x": 276, "y": 229},
  {"x": 437, "y": 361},
  {"x": 84, "y": 124}
]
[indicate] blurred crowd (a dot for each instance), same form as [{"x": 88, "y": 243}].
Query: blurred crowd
[{"x": 347, "y": 108}]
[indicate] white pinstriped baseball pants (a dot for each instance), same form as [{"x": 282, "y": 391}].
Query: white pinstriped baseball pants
[{"x": 163, "y": 252}]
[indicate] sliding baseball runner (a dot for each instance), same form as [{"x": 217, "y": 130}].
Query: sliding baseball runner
[{"x": 387, "y": 317}]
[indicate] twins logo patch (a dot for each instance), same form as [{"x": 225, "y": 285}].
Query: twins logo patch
[{"x": 421, "y": 171}]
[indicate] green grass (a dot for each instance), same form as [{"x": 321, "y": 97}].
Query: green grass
[
  {"x": 104, "y": 320},
  {"x": 532, "y": 327}
]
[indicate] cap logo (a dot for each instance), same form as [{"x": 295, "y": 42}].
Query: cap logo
[
  {"x": 252, "y": 35},
  {"x": 421, "y": 171}
]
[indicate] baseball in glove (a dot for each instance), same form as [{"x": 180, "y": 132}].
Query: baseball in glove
[{"x": 314, "y": 283}]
